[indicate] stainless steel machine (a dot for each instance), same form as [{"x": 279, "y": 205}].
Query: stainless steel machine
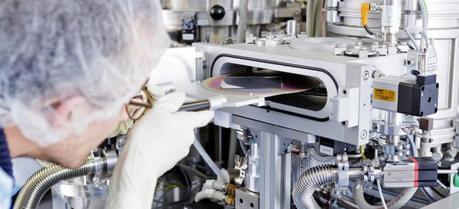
[
  {"x": 217, "y": 21},
  {"x": 382, "y": 118},
  {"x": 378, "y": 127},
  {"x": 343, "y": 20}
]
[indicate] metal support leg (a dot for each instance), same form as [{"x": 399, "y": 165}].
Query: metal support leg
[{"x": 271, "y": 172}]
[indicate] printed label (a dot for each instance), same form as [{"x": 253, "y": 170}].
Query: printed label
[{"x": 385, "y": 95}]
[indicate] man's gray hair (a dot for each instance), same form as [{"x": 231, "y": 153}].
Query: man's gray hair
[{"x": 50, "y": 50}]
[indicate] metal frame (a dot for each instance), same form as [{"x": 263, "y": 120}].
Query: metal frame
[{"x": 348, "y": 83}]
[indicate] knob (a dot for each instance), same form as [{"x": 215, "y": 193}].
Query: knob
[{"x": 217, "y": 12}]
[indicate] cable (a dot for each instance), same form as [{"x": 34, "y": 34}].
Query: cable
[
  {"x": 187, "y": 194},
  {"x": 381, "y": 194},
  {"x": 392, "y": 194},
  {"x": 364, "y": 12},
  {"x": 187, "y": 191},
  {"x": 195, "y": 171},
  {"x": 425, "y": 18},
  {"x": 368, "y": 30},
  {"x": 431, "y": 199},
  {"x": 400, "y": 200},
  {"x": 442, "y": 185}
]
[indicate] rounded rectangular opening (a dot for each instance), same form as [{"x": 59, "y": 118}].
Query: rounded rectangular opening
[{"x": 313, "y": 98}]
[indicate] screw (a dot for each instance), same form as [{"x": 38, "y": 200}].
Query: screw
[
  {"x": 366, "y": 75},
  {"x": 363, "y": 134}
]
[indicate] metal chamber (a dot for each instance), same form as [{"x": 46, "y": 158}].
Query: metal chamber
[{"x": 443, "y": 27}]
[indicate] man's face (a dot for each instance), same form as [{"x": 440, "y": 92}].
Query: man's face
[{"x": 73, "y": 151}]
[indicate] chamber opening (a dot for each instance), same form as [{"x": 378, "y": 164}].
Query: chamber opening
[{"x": 313, "y": 98}]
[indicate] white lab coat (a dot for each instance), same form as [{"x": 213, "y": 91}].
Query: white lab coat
[{"x": 6, "y": 190}]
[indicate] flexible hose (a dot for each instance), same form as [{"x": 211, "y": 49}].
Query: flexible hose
[
  {"x": 37, "y": 185},
  {"x": 209, "y": 194},
  {"x": 200, "y": 149},
  {"x": 314, "y": 178},
  {"x": 396, "y": 203},
  {"x": 214, "y": 184}
]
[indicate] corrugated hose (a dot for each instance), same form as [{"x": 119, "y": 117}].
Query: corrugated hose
[
  {"x": 37, "y": 185},
  {"x": 312, "y": 179}
]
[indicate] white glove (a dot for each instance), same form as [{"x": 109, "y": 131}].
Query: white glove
[{"x": 160, "y": 139}]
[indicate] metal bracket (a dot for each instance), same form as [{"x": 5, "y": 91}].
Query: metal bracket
[
  {"x": 345, "y": 107},
  {"x": 200, "y": 65},
  {"x": 246, "y": 199},
  {"x": 343, "y": 171}
]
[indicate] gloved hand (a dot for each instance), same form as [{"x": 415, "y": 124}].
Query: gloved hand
[{"x": 155, "y": 144}]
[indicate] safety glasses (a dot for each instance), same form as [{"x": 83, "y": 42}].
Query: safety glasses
[{"x": 138, "y": 105}]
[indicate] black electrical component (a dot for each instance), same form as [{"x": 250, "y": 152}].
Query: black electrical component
[
  {"x": 189, "y": 30},
  {"x": 419, "y": 98}
]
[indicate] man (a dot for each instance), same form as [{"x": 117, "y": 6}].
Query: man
[{"x": 67, "y": 70}]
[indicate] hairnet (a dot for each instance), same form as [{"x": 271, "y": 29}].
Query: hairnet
[{"x": 51, "y": 50}]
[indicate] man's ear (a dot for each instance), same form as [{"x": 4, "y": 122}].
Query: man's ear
[{"x": 64, "y": 109}]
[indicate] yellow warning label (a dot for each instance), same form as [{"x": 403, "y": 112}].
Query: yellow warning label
[{"x": 385, "y": 95}]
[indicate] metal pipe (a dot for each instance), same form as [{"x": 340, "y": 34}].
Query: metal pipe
[
  {"x": 195, "y": 105},
  {"x": 37, "y": 185},
  {"x": 355, "y": 172},
  {"x": 242, "y": 25},
  {"x": 310, "y": 18},
  {"x": 447, "y": 171},
  {"x": 390, "y": 19}
]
